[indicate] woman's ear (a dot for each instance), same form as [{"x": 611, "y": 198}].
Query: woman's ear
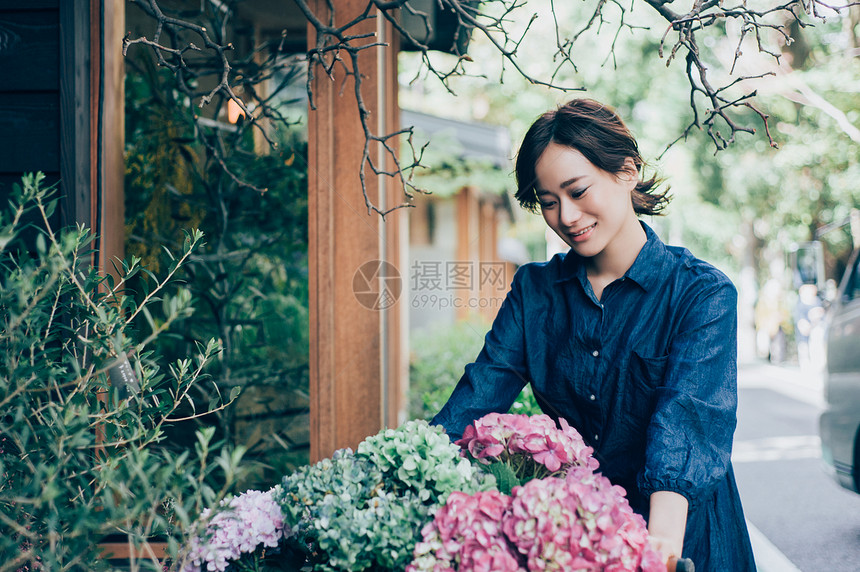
[{"x": 629, "y": 173}]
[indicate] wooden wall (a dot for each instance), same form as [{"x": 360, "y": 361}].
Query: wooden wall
[{"x": 61, "y": 108}]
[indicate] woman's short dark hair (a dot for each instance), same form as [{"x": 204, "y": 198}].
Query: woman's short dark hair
[{"x": 596, "y": 131}]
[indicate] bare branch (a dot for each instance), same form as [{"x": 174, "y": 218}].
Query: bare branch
[
  {"x": 764, "y": 24},
  {"x": 336, "y": 47}
]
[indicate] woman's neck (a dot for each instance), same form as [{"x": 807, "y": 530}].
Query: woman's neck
[{"x": 617, "y": 258}]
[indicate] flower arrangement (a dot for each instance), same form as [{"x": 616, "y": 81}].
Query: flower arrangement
[
  {"x": 241, "y": 529},
  {"x": 365, "y": 510},
  {"x": 410, "y": 499},
  {"x": 565, "y": 517},
  {"x": 420, "y": 458}
]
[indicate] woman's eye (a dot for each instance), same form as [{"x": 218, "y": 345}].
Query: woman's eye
[
  {"x": 578, "y": 193},
  {"x": 546, "y": 205}
]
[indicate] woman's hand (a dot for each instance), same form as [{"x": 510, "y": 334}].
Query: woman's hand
[
  {"x": 667, "y": 547},
  {"x": 667, "y": 523}
]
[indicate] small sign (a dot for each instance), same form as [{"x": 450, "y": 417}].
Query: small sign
[{"x": 122, "y": 377}]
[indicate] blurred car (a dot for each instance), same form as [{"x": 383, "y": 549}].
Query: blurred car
[{"x": 840, "y": 421}]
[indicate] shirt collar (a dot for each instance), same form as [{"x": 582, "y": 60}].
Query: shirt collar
[{"x": 645, "y": 271}]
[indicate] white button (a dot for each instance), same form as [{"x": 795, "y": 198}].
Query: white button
[
  {"x": 595, "y": 353},
  {"x": 592, "y": 397},
  {"x": 596, "y": 438}
]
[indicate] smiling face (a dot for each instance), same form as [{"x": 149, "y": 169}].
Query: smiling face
[{"x": 589, "y": 208}]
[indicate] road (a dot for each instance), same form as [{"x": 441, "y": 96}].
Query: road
[{"x": 800, "y": 518}]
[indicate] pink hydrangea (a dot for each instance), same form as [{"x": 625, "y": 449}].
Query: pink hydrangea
[
  {"x": 244, "y": 523},
  {"x": 517, "y": 439},
  {"x": 581, "y": 522},
  {"x": 466, "y": 534}
]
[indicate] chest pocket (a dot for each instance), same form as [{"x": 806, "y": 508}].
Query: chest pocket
[
  {"x": 645, "y": 375},
  {"x": 647, "y": 372}
]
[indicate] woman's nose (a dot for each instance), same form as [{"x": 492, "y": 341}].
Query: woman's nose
[{"x": 569, "y": 213}]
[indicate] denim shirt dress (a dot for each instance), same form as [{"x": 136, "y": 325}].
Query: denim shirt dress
[{"x": 647, "y": 375}]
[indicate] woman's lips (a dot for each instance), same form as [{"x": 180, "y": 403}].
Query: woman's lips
[{"x": 583, "y": 234}]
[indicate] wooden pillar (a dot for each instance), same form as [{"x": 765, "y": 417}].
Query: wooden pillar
[
  {"x": 396, "y": 228},
  {"x": 112, "y": 135},
  {"x": 468, "y": 249},
  {"x": 92, "y": 127},
  {"x": 351, "y": 344},
  {"x": 487, "y": 285}
]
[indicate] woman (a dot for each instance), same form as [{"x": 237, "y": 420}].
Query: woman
[{"x": 630, "y": 340}]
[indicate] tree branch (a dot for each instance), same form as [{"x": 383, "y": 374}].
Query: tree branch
[{"x": 337, "y": 47}]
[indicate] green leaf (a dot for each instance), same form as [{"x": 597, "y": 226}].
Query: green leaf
[
  {"x": 234, "y": 393},
  {"x": 50, "y": 208},
  {"x": 167, "y": 250},
  {"x": 505, "y": 476}
]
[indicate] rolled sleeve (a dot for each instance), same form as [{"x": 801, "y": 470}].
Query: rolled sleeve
[
  {"x": 689, "y": 437},
  {"x": 493, "y": 381}
]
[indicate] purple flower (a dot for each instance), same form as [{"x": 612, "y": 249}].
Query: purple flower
[{"x": 241, "y": 525}]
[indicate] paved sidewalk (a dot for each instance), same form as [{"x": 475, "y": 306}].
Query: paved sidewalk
[
  {"x": 768, "y": 557},
  {"x": 790, "y": 381},
  {"x": 786, "y": 379}
]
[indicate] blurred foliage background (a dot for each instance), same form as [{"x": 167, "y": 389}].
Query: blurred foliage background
[{"x": 783, "y": 194}]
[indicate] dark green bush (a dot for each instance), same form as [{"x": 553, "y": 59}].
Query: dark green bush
[{"x": 82, "y": 459}]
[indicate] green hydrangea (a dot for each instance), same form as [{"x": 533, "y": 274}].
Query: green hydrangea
[
  {"x": 420, "y": 458},
  {"x": 365, "y": 510}
]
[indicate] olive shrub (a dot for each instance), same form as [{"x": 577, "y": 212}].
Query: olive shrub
[{"x": 84, "y": 401}]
